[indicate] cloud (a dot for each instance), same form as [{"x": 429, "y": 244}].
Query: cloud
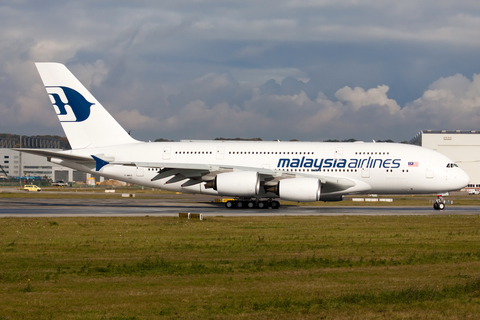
[
  {"x": 50, "y": 50},
  {"x": 276, "y": 69},
  {"x": 456, "y": 85},
  {"x": 451, "y": 102},
  {"x": 91, "y": 74},
  {"x": 132, "y": 119},
  {"x": 358, "y": 97},
  {"x": 360, "y": 113},
  {"x": 212, "y": 89}
]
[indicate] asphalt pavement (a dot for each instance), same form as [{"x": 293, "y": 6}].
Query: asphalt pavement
[{"x": 114, "y": 207}]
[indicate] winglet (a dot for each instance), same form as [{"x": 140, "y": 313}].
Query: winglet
[{"x": 99, "y": 163}]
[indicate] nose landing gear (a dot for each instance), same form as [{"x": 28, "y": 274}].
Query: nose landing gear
[
  {"x": 438, "y": 206},
  {"x": 439, "y": 203}
]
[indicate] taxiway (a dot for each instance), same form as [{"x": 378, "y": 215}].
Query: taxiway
[{"x": 43, "y": 207}]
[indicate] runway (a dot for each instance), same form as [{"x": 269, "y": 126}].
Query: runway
[{"x": 41, "y": 207}]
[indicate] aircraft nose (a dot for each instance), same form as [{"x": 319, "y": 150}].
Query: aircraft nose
[{"x": 460, "y": 178}]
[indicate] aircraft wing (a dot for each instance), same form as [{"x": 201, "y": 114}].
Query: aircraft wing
[
  {"x": 194, "y": 172},
  {"x": 64, "y": 155},
  {"x": 197, "y": 173}
]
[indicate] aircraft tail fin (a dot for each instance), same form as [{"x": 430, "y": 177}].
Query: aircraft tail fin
[{"x": 85, "y": 121}]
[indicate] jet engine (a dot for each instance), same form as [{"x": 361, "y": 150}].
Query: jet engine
[
  {"x": 299, "y": 189},
  {"x": 237, "y": 184}
]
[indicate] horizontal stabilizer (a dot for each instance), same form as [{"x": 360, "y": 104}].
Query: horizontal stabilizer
[{"x": 64, "y": 155}]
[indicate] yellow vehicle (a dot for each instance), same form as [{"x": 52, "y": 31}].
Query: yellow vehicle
[
  {"x": 31, "y": 187},
  {"x": 224, "y": 200}
]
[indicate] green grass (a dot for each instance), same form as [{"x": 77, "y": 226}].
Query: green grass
[
  {"x": 92, "y": 193},
  {"x": 404, "y": 267}
]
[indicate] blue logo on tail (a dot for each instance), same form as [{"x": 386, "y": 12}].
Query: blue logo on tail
[{"x": 77, "y": 103}]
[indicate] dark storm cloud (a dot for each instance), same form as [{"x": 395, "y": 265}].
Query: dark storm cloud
[{"x": 309, "y": 70}]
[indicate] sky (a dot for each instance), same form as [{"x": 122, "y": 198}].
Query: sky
[{"x": 276, "y": 69}]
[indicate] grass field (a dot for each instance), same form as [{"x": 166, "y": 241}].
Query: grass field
[{"x": 401, "y": 267}]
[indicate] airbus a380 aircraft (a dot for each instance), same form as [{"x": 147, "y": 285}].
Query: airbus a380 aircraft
[{"x": 247, "y": 171}]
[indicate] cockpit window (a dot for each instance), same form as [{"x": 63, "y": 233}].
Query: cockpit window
[{"x": 452, "y": 165}]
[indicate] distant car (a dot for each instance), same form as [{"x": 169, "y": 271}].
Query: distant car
[
  {"x": 59, "y": 183},
  {"x": 31, "y": 187},
  {"x": 473, "y": 191}
]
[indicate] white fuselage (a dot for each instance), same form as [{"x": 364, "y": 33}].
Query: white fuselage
[
  {"x": 296, "y": 171},
  {"x": 373, "y": 167}
]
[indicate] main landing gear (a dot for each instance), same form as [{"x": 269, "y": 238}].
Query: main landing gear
[{"x": 252, "y": 204}]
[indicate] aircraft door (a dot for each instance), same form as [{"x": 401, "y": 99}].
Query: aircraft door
[
  {"x": 365, "y": 172},
  {"x": 220, "y": 153},
  {"x": 139, "y": 172},
  {"x": 338, "y": 153},
  {"x": 365, "y": 169},
  {"x": 429, "y": 172},
  {"x": 166, "y": 153}
]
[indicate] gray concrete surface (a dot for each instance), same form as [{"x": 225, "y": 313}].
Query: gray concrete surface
[{"x": 41, "y": 207}]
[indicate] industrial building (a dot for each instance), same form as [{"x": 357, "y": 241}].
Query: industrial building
[
  {"x": 463, "y": 147},
  {"x": 18, "y": 165}
]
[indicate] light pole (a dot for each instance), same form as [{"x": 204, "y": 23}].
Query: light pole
[{"x": 20, "y": 163}]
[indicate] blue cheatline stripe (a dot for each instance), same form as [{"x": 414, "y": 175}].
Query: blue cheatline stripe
[{"x": 99, "y": 163}]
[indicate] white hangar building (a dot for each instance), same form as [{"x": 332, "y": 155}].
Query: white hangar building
[
  {"x": 16, "y": 164},
  {"x": 463, "y": 147}
]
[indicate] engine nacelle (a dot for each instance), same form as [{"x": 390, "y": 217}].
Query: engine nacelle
[
  {"x": 237, "y": 184},
  {"x": 299, "y": 189}
]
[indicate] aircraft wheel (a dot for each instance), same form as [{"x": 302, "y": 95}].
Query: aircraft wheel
[
  {"x": 275, "y": 204},
  {"x": 229, "y": 204},
  {"x": 239, "y": 204},
  {"x": 441, "y": 206},
  {"x": 435, "y": 206},
  {"x": 262, "y": 205},
  {"x": 250, "y": 204}
]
